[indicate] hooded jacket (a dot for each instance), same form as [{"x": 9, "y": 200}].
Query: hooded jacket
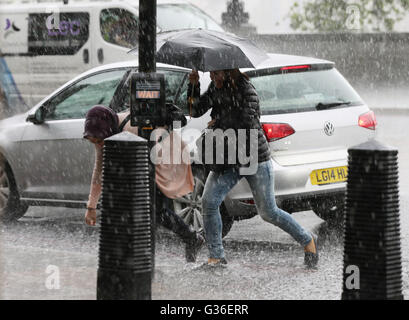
[
  {"x": 233, "y": 108},
  {"x": 174, "y": 179}
]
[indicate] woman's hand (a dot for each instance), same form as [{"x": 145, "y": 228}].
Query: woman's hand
[
  {"x": 91, "y": 217},
  {"x": 211, "y": 123},
  {"x": 194, "y": 77}
]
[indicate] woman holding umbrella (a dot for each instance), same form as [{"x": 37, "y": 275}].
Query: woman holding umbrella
[{"x": 235, "y": 105}]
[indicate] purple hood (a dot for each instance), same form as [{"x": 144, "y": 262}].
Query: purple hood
[{"x": 100, "y": 122}]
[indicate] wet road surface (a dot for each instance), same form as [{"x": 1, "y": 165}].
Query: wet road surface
[{"x": 263, "y": 261}]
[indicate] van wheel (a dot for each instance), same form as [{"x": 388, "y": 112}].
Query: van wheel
[
  {"x": 331, "y": 213},
  {"x": 11, "y": 208},
  {"x": 189, "y": 207}
]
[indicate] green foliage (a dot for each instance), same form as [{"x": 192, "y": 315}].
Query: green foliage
[{"x": 344, "y": 15}]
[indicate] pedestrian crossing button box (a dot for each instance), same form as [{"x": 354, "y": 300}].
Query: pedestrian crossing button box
[{"x": 148, "y": 101}]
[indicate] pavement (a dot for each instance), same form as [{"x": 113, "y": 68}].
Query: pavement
[
  {"x": 36, "y": 271},
  {"x": 52, "y": 255}
]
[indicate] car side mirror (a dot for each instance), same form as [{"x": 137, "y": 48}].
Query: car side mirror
[{"x": 38, "y": 117}]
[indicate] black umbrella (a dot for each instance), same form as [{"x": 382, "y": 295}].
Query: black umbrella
[{"x": 206, "y": 50}]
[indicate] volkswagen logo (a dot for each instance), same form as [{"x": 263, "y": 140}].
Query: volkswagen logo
[{"x": 329, "y": 128}]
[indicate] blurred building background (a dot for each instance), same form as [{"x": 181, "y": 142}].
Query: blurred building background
[
  {"x": 268, "y": 16},
  {"x": 376, "y": 63}
]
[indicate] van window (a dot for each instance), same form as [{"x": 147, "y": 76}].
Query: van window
[
  {"x": 63, "y": 38},
  {"x": 76, "y": 100},
  {"x": 120, "y": 27}
]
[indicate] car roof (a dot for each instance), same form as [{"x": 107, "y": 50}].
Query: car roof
[
  {"x": 129, "y": 64},
  {"x": 274, "y": 60}
]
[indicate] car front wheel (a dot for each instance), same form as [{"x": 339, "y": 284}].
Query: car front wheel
[
  {"x": 10, "y": 206},
  {"x": 189, "y": 207}
]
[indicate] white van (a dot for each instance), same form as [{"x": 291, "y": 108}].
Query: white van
[{"x": 47, "y": 43}]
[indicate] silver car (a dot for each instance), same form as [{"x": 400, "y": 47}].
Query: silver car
[{"x": 310, "y": 115}]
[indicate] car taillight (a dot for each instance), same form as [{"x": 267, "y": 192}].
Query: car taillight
[
  {"x": 367, "y": 120},
  {"x": 276, "y": 131},
  {"x": 295, "y": 68}
]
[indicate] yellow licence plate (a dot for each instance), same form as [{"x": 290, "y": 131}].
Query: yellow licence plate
[{"x": 329, "y": 175}]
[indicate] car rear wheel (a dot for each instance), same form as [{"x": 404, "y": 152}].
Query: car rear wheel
[
  {"x": 11, "y": 208},
  {"x": 189, "y": 207}
]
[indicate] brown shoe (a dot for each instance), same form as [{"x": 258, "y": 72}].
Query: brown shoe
[
  {"x": 310, "y": 258},
  {"x": 219, "y": 264}
]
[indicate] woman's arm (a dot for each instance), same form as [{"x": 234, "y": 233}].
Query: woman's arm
[
  {"x": 200, "y": 103},
  {"x": 95, "y": 189}
]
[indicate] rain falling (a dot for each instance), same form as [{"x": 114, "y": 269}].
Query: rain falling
[{"x": 95, "y": 205}]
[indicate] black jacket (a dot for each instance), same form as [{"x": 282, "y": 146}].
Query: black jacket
[{"x": 235, "y": 108}]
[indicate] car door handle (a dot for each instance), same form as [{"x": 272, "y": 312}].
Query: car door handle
[
  {"x": 85, "y": 56},
  {"x": 100, "y": 54}
]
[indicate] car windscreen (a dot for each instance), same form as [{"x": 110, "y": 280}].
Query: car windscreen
[
  {"x": 184, "y": 16},
  {"x": 304, "y": 91}
]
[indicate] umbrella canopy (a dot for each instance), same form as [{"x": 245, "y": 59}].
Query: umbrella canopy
[{"x": 206, "y": 50}]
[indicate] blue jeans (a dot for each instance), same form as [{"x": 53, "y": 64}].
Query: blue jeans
[{"x": 261, "y": 183}]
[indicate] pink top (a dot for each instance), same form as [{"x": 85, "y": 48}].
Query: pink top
[{"x": 174, "y": 180}]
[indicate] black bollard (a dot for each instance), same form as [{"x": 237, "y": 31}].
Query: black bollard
[
  {"x": 125, "y": 244},
  {"x": 372, "y": 226}
]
